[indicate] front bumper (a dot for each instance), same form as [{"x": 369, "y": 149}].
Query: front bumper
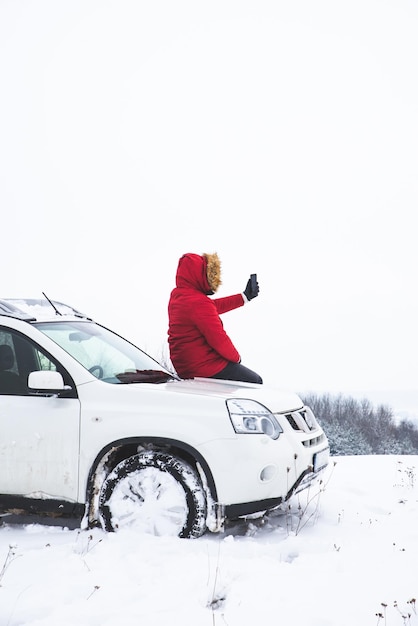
[
  {"x": 307, "y": 478},
  {"x": 254, "y": 473}
]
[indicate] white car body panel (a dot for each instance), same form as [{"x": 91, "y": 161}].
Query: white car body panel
[
  {"x": 186, "y": 419},
  {"x": 39, "y": 446}
]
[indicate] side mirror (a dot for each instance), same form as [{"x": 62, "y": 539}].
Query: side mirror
[{"x": 47, "y": 381}]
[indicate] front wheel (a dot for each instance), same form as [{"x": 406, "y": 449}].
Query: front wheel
[{"x": 155, "y": 493}]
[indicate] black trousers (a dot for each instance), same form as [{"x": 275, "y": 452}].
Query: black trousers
[{"x": 236, "y": 371}]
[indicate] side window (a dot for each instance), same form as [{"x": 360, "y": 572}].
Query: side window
[
  {"x": 7, "y": 353},
  {"x": 44, "y": 362},
  {"x": 10, "y": 381},
  {"x": 18, "y": 357}
]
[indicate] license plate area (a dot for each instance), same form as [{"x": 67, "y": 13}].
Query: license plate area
[{"x": 320, "y": 459}]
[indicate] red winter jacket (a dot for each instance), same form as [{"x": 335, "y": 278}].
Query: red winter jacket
[{"x": 199, "y": 345}]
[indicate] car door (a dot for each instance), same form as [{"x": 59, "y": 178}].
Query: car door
[{"x": 39, "y": 434}]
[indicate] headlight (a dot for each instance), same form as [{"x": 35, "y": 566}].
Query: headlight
[{"x": 252, "y": 418}]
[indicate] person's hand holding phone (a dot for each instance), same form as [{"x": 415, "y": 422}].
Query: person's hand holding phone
[{"x": 252, "y": 289}]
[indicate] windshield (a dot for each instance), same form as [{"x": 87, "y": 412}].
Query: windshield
[{"x": 106, "y": 355}]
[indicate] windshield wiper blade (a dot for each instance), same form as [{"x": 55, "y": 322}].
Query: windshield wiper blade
[{"x": 144, "y": 376}]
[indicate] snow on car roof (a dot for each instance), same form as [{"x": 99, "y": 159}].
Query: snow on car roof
[{"x": 37, "y": 309}]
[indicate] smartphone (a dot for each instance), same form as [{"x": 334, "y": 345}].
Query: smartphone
[{"x": 253, "y": 282}]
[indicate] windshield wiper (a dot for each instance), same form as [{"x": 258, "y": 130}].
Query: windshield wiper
[{"x": 144, "y": 376}]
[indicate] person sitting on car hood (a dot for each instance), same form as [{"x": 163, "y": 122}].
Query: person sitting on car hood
[{"x": 198, "y": 343}]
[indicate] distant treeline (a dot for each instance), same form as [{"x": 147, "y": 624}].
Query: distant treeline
[{"x": 356, "y": 427}]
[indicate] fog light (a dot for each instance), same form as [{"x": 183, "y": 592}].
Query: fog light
[{"x": 267, "y": 473}]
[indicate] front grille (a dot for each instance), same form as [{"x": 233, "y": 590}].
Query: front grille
[
  {"x": 301, "y": 420},
  {"x": 308, "y": 443},
  {"x": 292, "y": 422}
]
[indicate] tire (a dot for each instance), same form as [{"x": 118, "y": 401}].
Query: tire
[{"x": 155, "y": 493}]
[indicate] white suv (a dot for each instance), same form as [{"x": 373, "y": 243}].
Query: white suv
[{"x": 93, "y": 427}]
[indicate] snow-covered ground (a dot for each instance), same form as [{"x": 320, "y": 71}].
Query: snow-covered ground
[{"x": 344, "y": 555}]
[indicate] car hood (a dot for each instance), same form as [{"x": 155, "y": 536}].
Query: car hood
[{"x": 277, "y": 400}]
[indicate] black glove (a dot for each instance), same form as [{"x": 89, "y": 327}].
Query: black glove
[{"x": 251, "y": 292}]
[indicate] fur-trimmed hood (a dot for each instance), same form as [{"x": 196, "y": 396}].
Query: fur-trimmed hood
[
  {"x": 201, "y": 272},
  {"x": 213, "y": 270}
]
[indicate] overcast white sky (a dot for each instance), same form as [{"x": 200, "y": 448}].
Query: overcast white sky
[{"x": 283, "y": 135}]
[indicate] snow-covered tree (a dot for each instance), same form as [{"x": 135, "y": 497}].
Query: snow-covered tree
[{"x": 356, "y": 427}]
